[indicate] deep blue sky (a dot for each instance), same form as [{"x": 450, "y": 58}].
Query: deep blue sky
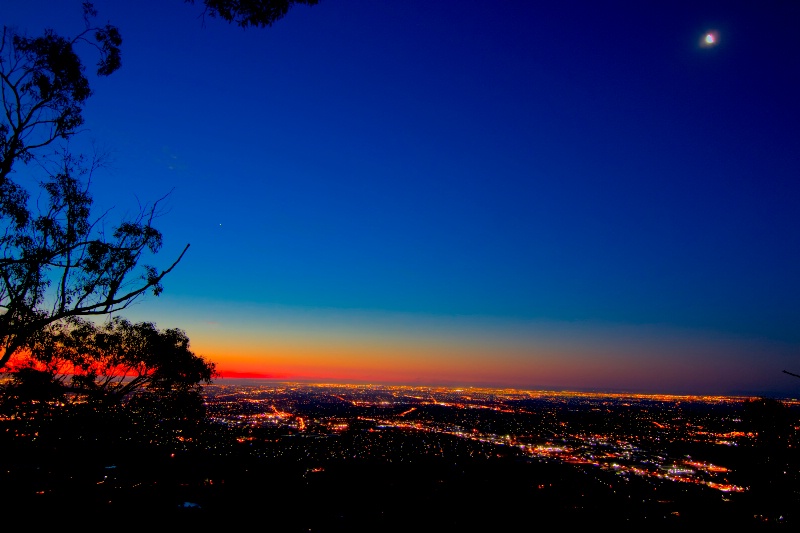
[{"x": 450, "y": 169}]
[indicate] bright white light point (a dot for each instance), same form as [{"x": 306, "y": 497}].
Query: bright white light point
[{"x": 709, "y": 39}]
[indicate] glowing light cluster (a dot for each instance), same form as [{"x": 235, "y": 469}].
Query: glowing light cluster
[{"x": 709, "y": 39}]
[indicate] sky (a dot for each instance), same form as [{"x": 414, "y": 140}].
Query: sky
[{"x": 548, "y": 195}]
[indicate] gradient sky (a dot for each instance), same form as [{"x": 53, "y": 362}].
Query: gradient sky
[{"x": 570, "y": 195}]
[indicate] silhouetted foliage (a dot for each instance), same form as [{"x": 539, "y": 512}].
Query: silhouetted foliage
[
  {"x": 31, "y": 390},
  {"x": 118, "y": 359},
  {"x": 43, "y": 90},
  {"x": 244, "y": 13},
  {"x": 93, "y": 378},
  {"x": 56, "y": 261},
  {"x": 771, "y": 420}
]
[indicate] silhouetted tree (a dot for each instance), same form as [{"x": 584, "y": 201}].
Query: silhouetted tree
[
  {"x": 56, "y": 261},
  {"x": 117, "y": 360},
  {"x": 244, "y": 13},
  {"x": 117, "y": 373}
]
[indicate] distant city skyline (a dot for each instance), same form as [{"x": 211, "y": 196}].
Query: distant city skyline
[{"x": 572, "y": 195}]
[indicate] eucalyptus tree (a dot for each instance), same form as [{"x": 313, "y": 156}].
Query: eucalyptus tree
[
  {"x": 57, "y": 260},
  {"x": 111, "y": 364}
]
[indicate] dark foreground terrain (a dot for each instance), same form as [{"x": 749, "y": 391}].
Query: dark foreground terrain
[
  {"x": 294, "y": 458},
  {"x": 150, "y": 487}
]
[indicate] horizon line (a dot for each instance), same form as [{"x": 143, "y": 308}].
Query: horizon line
[{"x": 243, "y": 376}]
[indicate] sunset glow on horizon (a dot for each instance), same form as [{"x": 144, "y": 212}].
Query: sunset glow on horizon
[
  {"x": 399, "y": 349},
  {"x": 447, "y": 193}
]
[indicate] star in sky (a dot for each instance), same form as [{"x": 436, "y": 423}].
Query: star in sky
[{"x": 709, "y": 39}]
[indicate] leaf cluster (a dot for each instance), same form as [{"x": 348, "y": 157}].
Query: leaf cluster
[
  {"x": 44, "y": 86},
  {"x": 244, "y": 13}
]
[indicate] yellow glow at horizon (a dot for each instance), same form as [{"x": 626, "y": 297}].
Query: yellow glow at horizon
[
  {"x": 354, "y": 346},
  {"x": 427, "y": 361}
]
